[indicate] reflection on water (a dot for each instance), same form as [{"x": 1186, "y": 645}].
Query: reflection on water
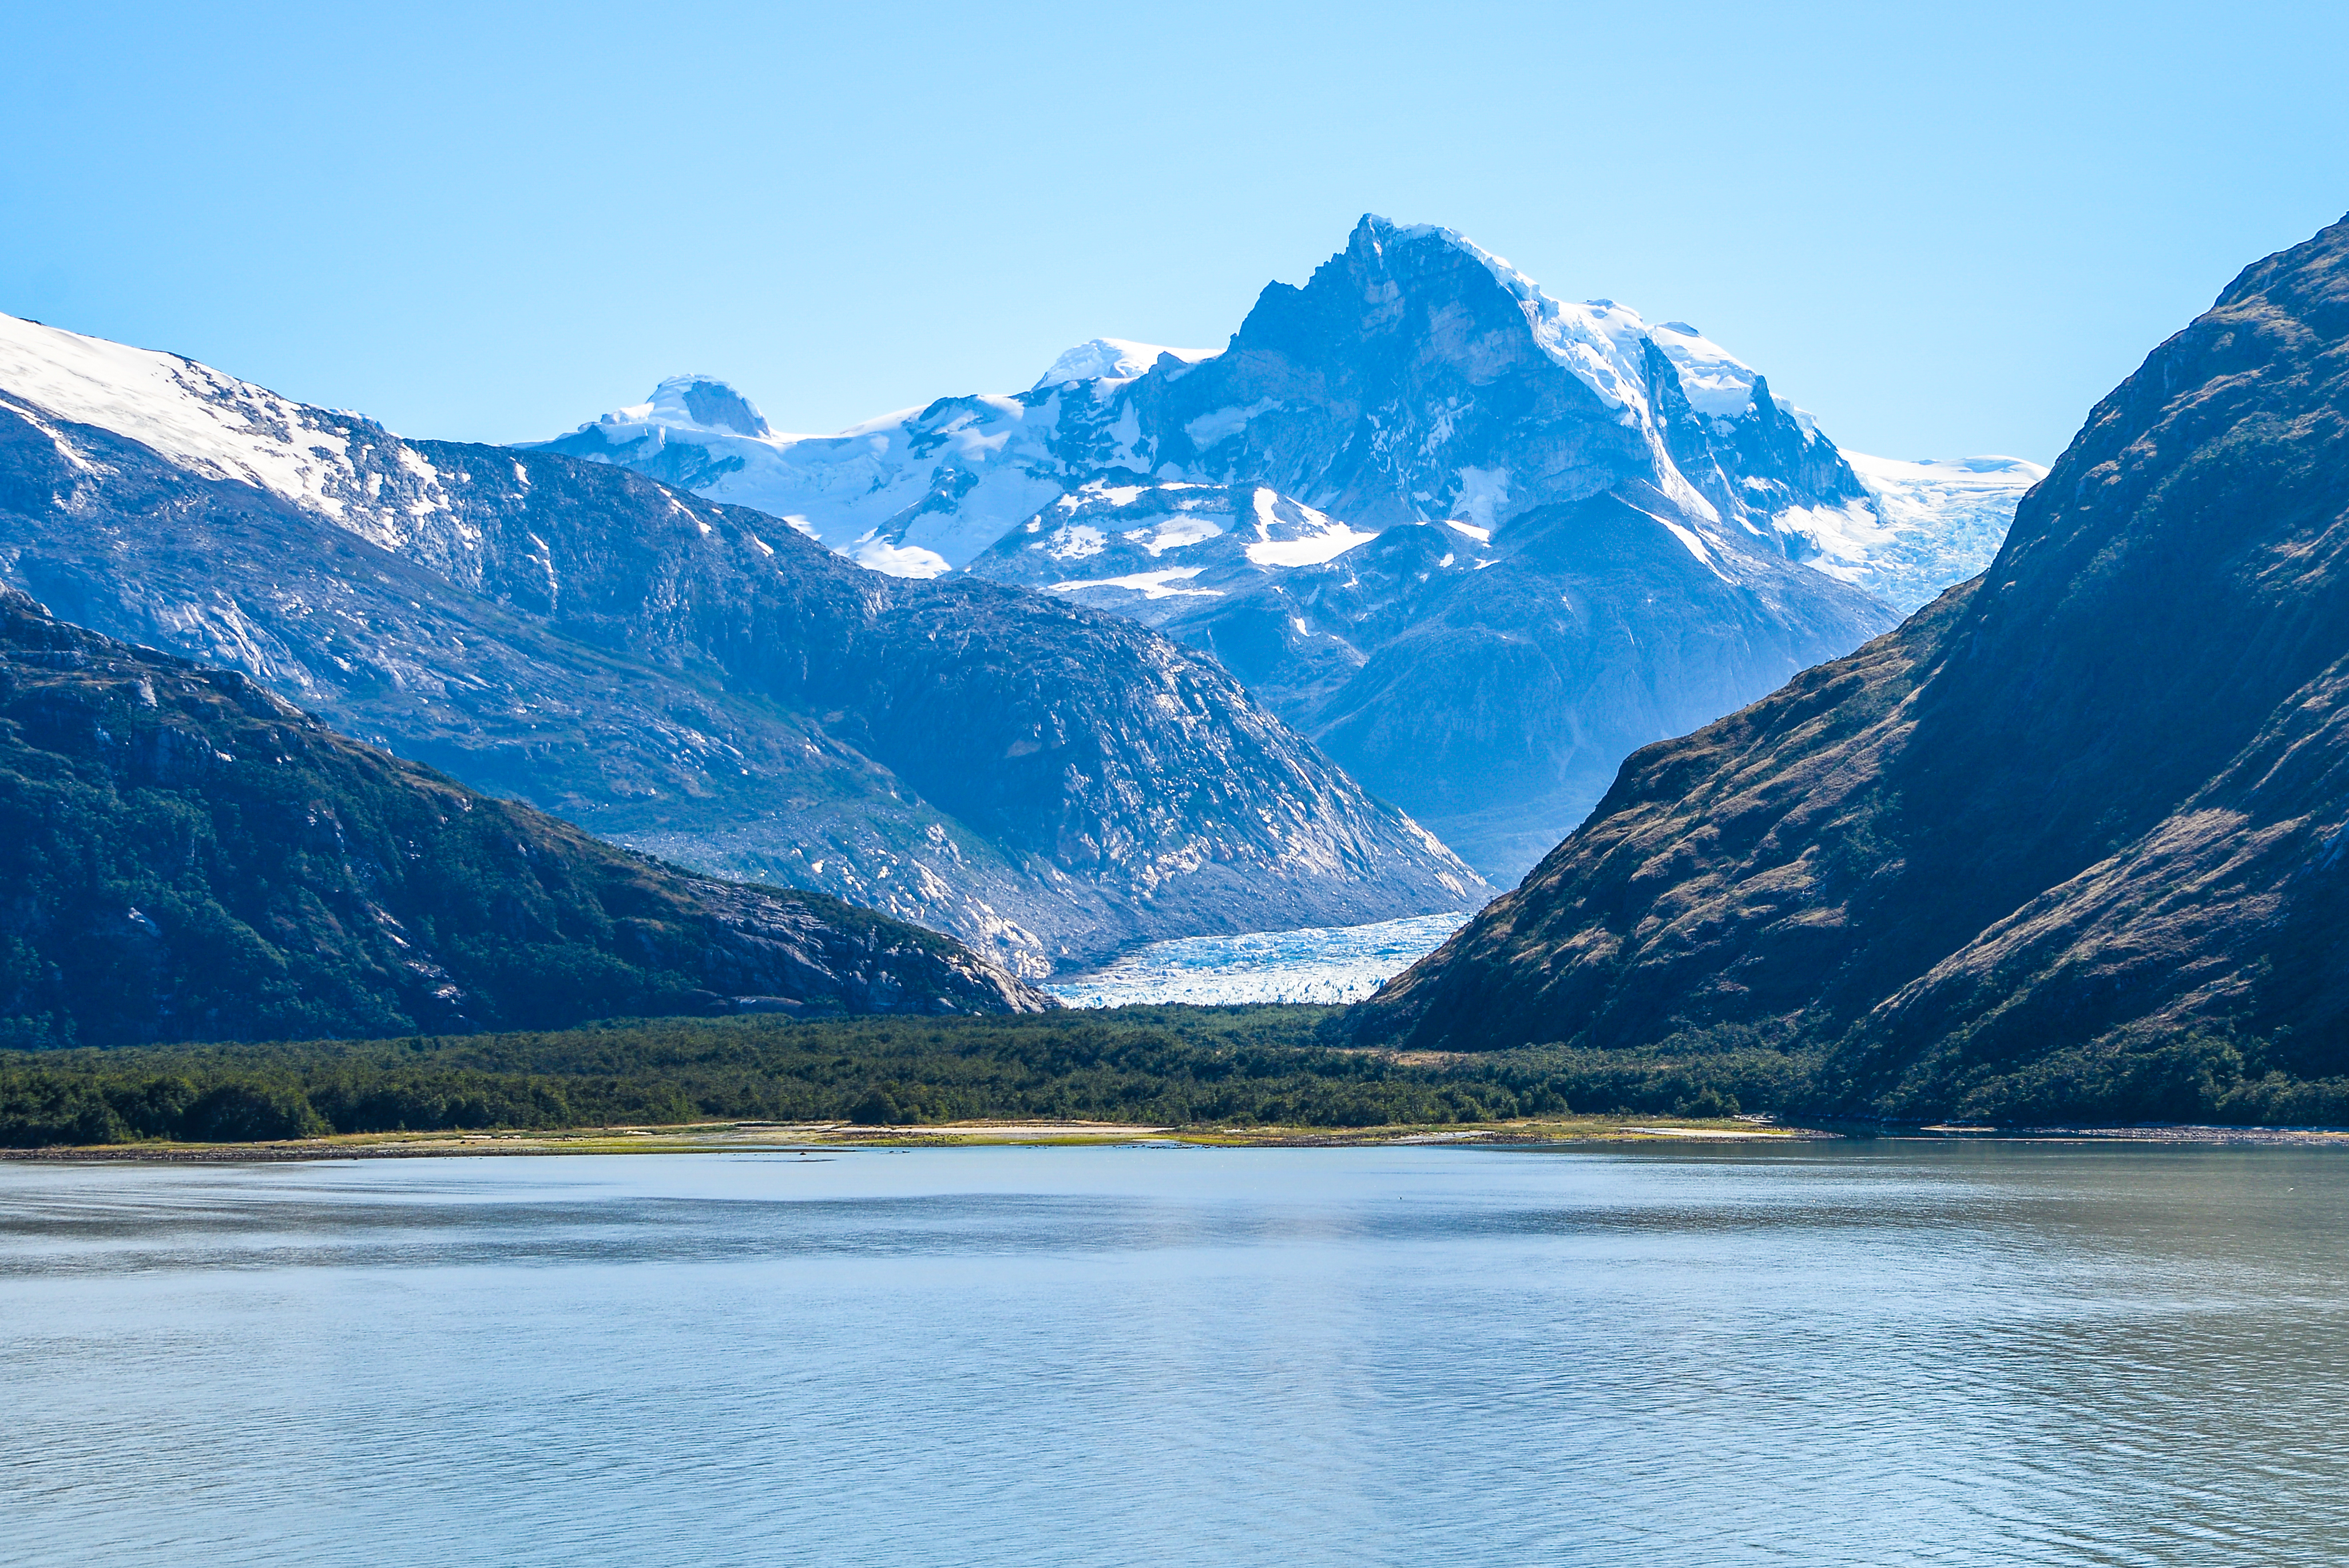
[{"x": 1868, "y": 1355}]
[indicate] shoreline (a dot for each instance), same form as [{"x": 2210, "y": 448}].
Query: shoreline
[{"x": 794, "y": 1137}]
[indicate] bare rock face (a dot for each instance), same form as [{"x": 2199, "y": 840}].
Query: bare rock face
[
  {"x": 187, "y": 857},
  {"x": 2082, "y": 809},
  {"x": 694, "y": 679}
]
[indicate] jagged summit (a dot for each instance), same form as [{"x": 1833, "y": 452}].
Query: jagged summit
[
  {"x": 1112, "y": 359},
  {"x": 1611, "y": 348},
  {"x": 1479, "y": 541},
  {"x": 693, "y": 403}
]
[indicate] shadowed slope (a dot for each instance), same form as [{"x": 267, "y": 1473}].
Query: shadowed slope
[
  {"x": 187, "y": 857},
  {"x": 2089, "y": 801}
]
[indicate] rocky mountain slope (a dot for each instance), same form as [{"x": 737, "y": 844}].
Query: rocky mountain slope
[
  {"x": 694, "y": 679},
  {"x": 187, "y": 857},
  {"x": 1478, "y": 666},
  {"x": 1492, "y": 686},
  {"x": 1491, "y": 545},
  {"x": 2068, "y": 842}
]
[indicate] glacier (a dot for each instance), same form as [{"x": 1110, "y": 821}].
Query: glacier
[
  {"x": 1329, "y": 965},
  {"x": 1936, "y": 521}
]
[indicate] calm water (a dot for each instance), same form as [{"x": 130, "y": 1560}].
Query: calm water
[{"x": 1868, "y": 1355}]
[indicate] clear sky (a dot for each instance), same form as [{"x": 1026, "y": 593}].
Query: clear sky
[{"x": 1945, "y": 228}]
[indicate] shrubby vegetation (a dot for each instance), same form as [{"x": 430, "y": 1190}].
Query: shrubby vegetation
[
  {"x": 1185, "y": 1067},
  {"x": 1161, "y": 1066},
  {"x": 2205, "y": 1075}
]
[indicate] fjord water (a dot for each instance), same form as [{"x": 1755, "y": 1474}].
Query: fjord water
[{"x": 1865, "y": 1354}]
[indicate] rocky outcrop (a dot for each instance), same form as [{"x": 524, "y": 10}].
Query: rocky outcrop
[
  {"x": 2079, "y": 811},
  {"x": 186, "y": 856}
]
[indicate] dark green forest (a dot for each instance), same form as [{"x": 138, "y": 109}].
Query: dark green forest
[{"x": 1162, "y": 1066}]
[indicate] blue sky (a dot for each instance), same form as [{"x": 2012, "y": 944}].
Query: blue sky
[{"x": 1945, "y": 230}]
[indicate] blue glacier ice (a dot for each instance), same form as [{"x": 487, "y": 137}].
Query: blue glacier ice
[{"x": 1327, "y": 965}]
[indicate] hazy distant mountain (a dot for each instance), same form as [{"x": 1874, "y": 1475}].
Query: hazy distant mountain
[
  {"x": 1114, "y": 358},
  {"x": 1490, "y": 661},
  {"x": 694, "y": 679},
  {"x": 2068, "y": 843}
]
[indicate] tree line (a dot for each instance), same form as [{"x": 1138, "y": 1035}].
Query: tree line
[{"x": 1190, "y": 1067}]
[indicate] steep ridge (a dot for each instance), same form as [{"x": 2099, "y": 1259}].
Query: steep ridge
[
  {"x": 187, "y": 857},
  {"x": 2066, "y": 843},
  {"x": 690, "y": 678}
]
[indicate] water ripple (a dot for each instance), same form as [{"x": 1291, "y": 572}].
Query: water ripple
[{"x": 1886, "y": 1355}]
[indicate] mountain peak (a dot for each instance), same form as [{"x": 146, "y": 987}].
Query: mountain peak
[
  {"x": 695, "y": 403},
  {"x": 1598, "y": 339},
  {"x": 1113, "y": 358}
]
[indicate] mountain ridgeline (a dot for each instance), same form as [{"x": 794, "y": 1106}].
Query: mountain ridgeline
[
  {"x": 187, "y": 857},
  {"x": 2070, "y": 842},
  {"x": 695, "y": 679},
  {"x": 1476, "y": 543},
  {"x": 1561, "y": 558}
]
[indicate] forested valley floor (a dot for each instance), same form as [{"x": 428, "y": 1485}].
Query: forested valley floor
[{"x": 1162, "y": 1066}]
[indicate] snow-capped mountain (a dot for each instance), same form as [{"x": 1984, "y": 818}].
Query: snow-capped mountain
[
  {"x": 685, "y": 677},
  {"x": 924, "y": 490},
  {"x": 1402, "y": 460},
  {"x": 914, "y": 494}
]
